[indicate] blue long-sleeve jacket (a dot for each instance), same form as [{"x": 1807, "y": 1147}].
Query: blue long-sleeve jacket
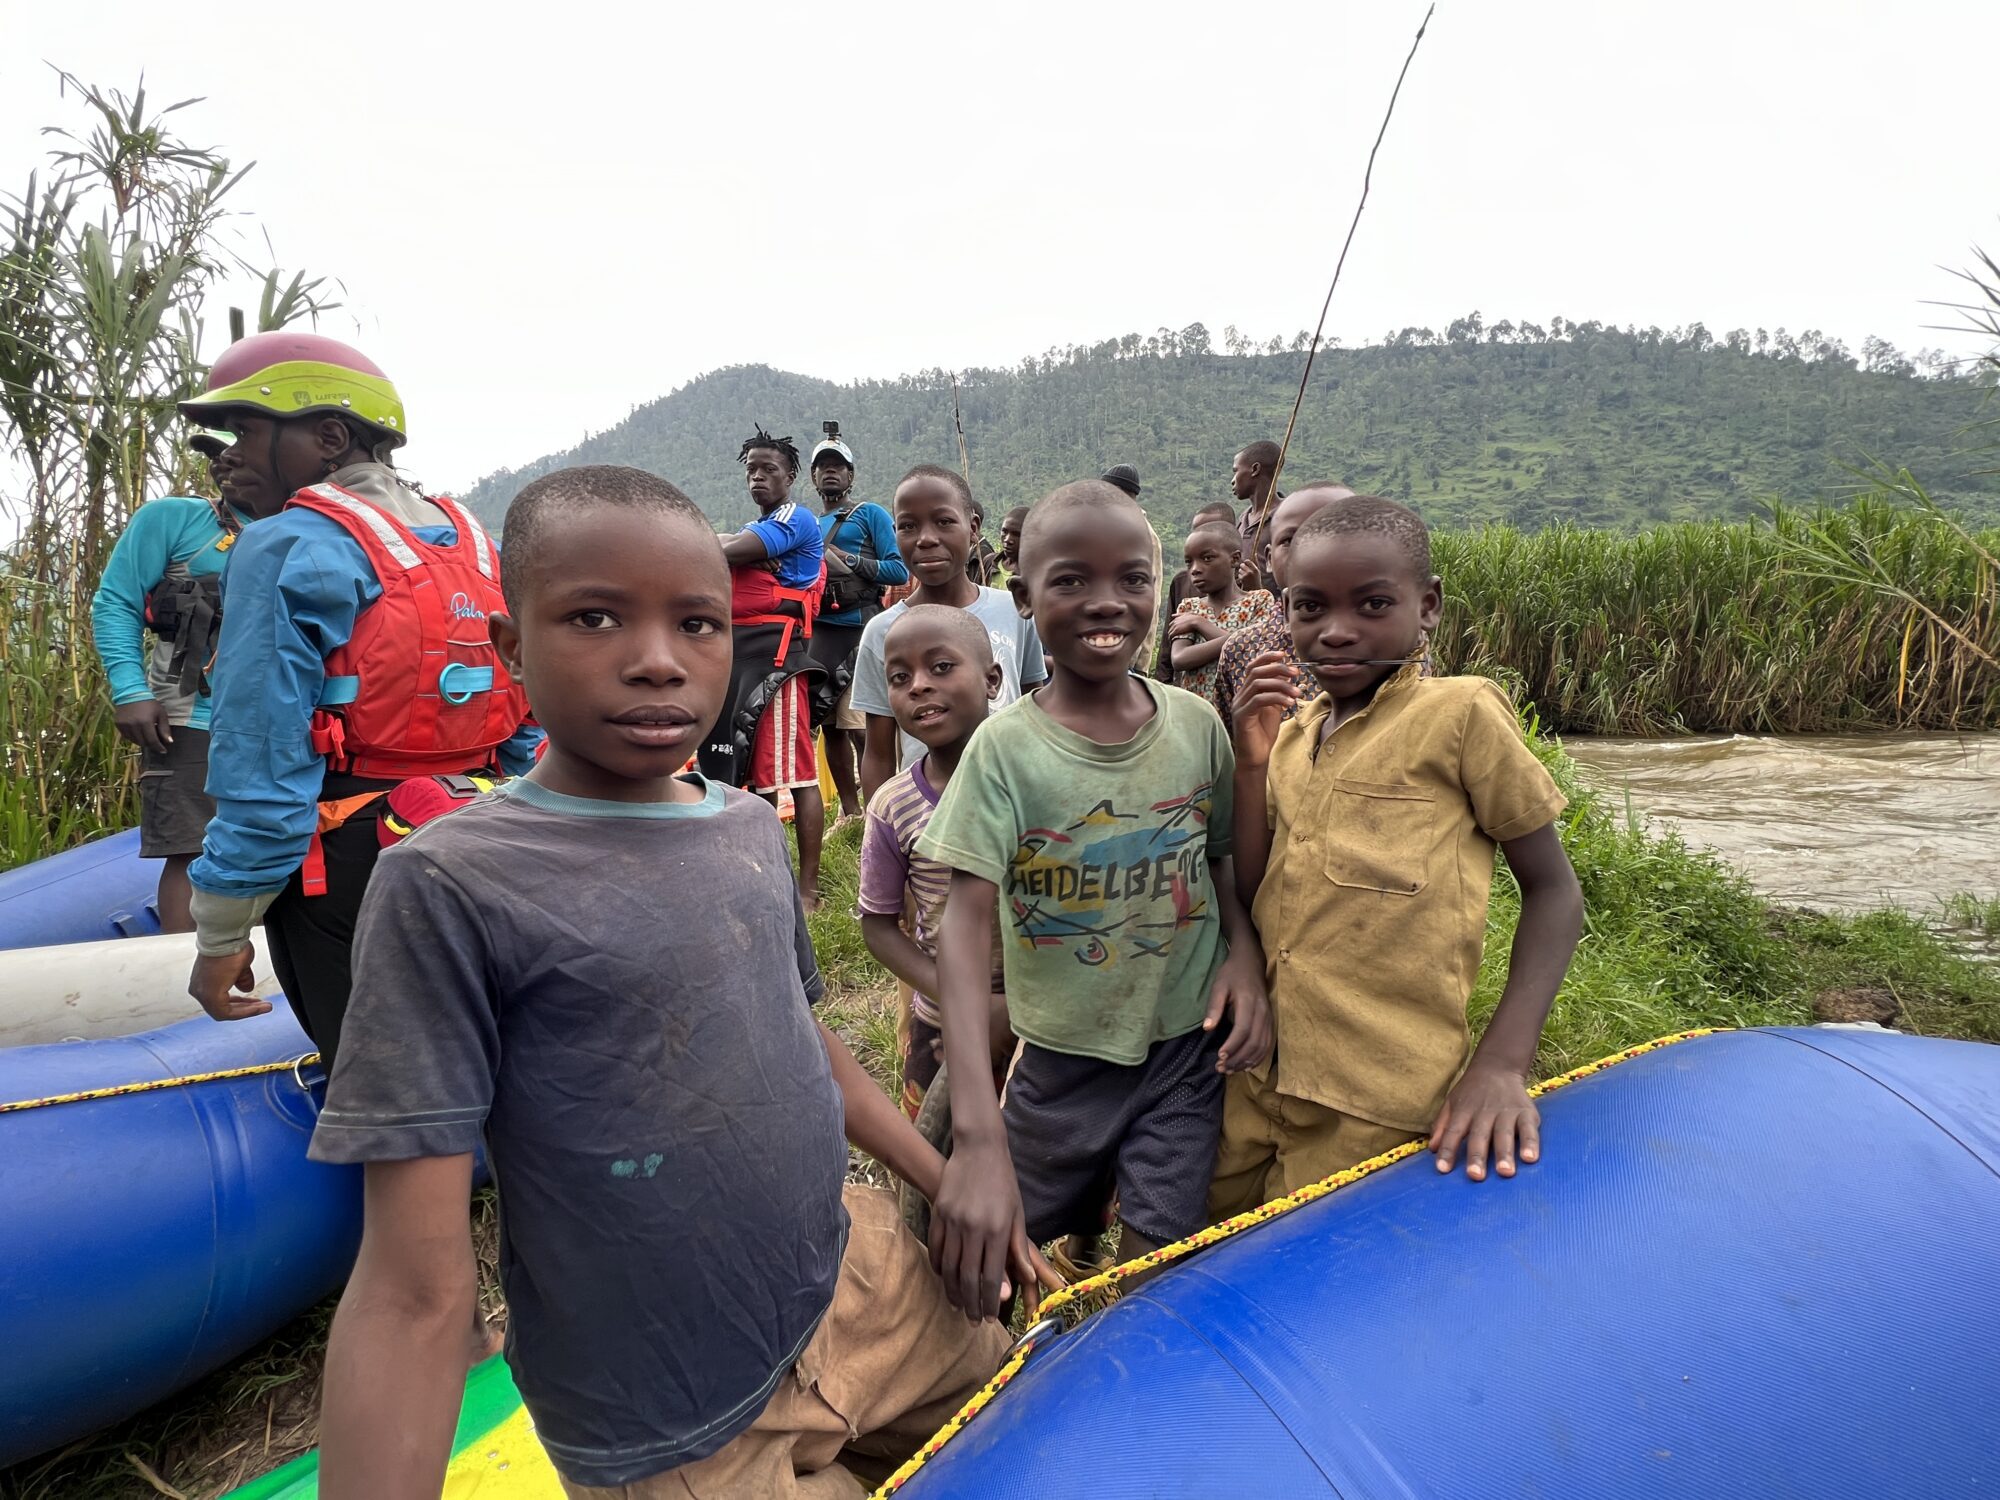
[
  {"x": 293, "y": 589},
  {"x": 175, "y": 536},
  {"x": 885, "y": 567}
]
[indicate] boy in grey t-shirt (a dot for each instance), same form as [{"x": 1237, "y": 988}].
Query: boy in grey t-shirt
[
  {"x": 603, "y": 974},
  {"x": 934, "y": 529}
]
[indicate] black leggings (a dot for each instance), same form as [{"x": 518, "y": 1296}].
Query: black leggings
[{"x": 312, "y": 937}]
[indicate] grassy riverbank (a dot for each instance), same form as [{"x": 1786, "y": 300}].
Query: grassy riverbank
[
  {"x": 1883, "y": 615},
  {"x": 1675, "y": 940}
]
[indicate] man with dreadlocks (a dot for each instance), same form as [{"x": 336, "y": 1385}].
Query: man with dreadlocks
[{"x": 777, "y": 570}]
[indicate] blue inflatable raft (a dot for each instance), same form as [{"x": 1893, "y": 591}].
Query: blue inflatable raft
[
  {"x": 1757, "y": 1263},
  {"x": 97, "y": 890},
  {"x": 148, "y": 1235}
]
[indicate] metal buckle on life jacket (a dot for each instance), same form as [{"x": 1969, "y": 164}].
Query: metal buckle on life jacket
[{"x": 459, "y": 682}]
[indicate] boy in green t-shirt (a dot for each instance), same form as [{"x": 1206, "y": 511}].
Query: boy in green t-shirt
[{"x": 1097, "y": 811}]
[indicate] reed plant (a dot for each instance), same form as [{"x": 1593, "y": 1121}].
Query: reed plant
[
  {"x": 1883, "y": 614},
  {"x": 106, "y": 259}
]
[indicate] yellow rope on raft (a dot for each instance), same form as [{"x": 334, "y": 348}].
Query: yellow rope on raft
[
  {"x": 1056, "y": 1301},
  {"x": 119, "y": 1090}
]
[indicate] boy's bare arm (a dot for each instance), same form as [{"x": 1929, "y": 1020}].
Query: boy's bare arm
[
  {"x": 396, "y": 1360},
  {"x": 876, "y": 1125},
  {"x": 978, "y": 1206},
  {"x": 1239, "y": 984},
  {"x": 896, "y": 951},
  {"x": 1187, "y": 655},
  {"x": 1489, "y": 1112},
  {"x": 1268, "y": 690},
  {"x": 878, "y": 756}
]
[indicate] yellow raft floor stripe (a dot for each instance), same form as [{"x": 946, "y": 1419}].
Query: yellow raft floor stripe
[{"x": 506, "y": 1464}]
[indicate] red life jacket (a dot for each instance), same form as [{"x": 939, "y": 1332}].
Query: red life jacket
[{"x": 418, "y": 689}]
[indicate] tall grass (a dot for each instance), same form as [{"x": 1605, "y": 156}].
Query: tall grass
[
  {"x": 106, "y": 259},
  {"x": 1882, "y": 615}
]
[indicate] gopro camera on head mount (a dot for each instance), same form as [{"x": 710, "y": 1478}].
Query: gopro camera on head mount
[{"x": 832, "y": 431}]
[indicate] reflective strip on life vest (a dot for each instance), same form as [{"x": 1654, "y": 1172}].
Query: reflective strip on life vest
[
  {"x": 392, "y": 542},
  {"x": 482, "y": 545}
]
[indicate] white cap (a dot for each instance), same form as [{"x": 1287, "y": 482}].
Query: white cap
[{"x": 831, "y": 445}]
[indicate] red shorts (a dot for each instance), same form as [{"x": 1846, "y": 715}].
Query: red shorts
[{"x": 782, "y": 754}]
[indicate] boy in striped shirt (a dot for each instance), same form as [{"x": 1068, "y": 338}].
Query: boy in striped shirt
[{"x": 941, "y": 678}]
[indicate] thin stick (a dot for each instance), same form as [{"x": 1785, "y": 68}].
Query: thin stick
[
  {"x": 1367, "y": 176},
  {"x": 964, "y": 456}
]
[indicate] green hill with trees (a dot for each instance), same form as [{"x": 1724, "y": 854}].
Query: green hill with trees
[{"x": 1515, "y": 422}]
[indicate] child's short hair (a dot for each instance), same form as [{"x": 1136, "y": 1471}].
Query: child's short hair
[
  {"x": 950, "y": 477},
  {"x": 1215, "y": 534},
  {"x": 1371, "y": 513},
  {"x": 1083, "y": 494},
  {"x": 1018, "y": 516},
  {"x": 960, "y": 626},
  {"x": 1263, "y": 451},
  {"x": 544, "y": 503},
  {"x": 1218, "y": 510}
]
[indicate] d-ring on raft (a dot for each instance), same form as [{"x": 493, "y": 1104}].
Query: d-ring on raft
[{"x": 1753, "y": 1263}]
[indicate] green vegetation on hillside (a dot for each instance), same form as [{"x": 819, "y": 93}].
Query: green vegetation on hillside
[{"x": 1576, "y": 422}]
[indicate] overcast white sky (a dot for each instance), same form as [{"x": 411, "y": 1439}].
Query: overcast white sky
[{"x": 546, "y": 214}]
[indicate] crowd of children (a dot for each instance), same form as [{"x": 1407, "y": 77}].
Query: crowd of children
[{"x": 1167, "y": 946}]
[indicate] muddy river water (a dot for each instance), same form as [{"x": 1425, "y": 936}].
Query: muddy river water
[{"x": 1840, "y": 822}]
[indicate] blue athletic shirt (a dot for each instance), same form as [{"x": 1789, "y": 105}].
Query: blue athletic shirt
[
  {"x": 791, "y": 539},
  {"x": 294, "y": 587},
  {"x": 870, "y": 523},
  {"x": 175, "y": 536}
]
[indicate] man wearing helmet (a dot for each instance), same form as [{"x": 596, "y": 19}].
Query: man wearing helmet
[
  {"x": 861, "y": 560},
  {"x": 165, "y": 576},
  {"x": 353, "y": 658}
]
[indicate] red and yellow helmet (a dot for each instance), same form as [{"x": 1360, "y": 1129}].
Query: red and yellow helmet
[{"x": 287, "y": 374}]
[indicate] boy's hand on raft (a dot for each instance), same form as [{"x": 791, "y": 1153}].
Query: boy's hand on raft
[
  {"x": 1239, "y": 990},
  {"x": 1489, "y": 1116},
  {"x": 977, "y": 1226},
  {"x": 1031, "y": 1273},
  {"x": 1270, "y": 687},
  {"x": 218, "y": 976}
]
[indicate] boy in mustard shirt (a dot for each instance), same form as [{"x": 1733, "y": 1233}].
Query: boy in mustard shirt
[{"x": 1365, "y": 830}]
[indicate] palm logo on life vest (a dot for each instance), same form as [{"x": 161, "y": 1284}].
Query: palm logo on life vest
[{"x": 463, "y": 608}]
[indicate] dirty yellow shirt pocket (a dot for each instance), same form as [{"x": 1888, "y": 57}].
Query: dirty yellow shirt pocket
[{"x": 1378, "y": 835}]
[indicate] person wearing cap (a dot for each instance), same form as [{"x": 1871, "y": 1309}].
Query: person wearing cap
[
  {"x": 165, "y": 575},
  {"x": 1124, "y": 476},
  {"x": 354, "y": 657},
  {"x": 862, "y": 559}
]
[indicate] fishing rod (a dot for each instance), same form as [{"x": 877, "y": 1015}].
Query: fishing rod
[{"x": 1367, "y": 176}]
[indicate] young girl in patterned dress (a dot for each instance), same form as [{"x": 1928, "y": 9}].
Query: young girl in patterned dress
[{"x": 1216, "y": 608}]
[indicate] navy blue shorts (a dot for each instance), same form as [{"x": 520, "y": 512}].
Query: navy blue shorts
[{"x": 1080, "y": 1127}]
